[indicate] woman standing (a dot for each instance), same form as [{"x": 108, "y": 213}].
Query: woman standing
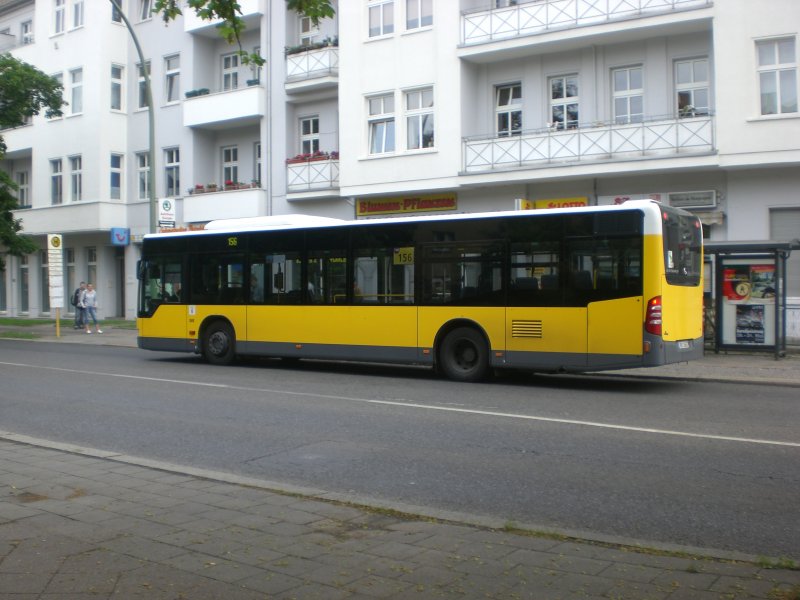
[{"x": 89, "y": 302}]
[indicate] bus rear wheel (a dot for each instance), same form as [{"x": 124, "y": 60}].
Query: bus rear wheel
[
  {"x": 464, "y": 355},
  {"x": 219, "y": 344}
]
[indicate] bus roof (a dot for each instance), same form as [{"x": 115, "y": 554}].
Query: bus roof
[{"x": 299, "y": 221}]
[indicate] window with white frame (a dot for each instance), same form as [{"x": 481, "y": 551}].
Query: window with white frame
[
  {"x": 142, "y": 101},
  {"x": 59, "y": 16},
  {"x": 172, "y": 76},
  {"x": 26, "y": 32},
  {"x": 564, "y": 102},
  {"x": 309, "y": 135},
  {"x": 59, "y": 79},
  {"x": 91, "y": 264},
  {"x": 692, "y": 87},
  {"x": 381, "y": 124},
  {"x": 143, "y": 174},
  {"x": 230, "y": 71},
  {"x": 628, "y": 86},
  {"x": 777, "y": 76},
  {"x": 230, "y": 165},
  {"x": 508, "y": 109},
  {"x": 76, "y": 178},
  {"x": 56, "y": 181},
  {"x": 308, "y": 31},
  {"x": 381, "y": 18},
  {"x": 44, "y": 281},
  {"x": 257, "y": 166},
  {"x": 255, "y": 70},
  {"x": 77, "y": 14},
  {"x": 145, "y": 9},
  {"x": 117, "y": 72},
  {"x": 76, "y": 91},
  {"x": 419, "y": 13},
  {"x": 23, "y": 188},
  {"x": 419, "y": 119},
  {"x": 24, "y": 283},
  {"x": 116, "y": 176},
  {"x": 172, "y": 172}
]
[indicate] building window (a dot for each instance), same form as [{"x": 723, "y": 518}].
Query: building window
[
  {"x": 24, "y": 283},
  {"x": 509, "y": 109},
  {"x": 145, "y": 9},
  {"x": 564, "y": 102},
  {"x": 419, "y": 13},
  {"x": 44, "y": 281},
  {"x": 143, "y": 84},
  {"x": 691, "y": 86},
  {"x": 230, "y": 165},
  {"x": 26, "y": 32},
  {"x": 91, "y": 265},
  {"x": 116, "y": 87},
  {"x": 230, "y": 71},
  {"x": 59, "y": 79},
  {"x": 777, "y": 74},
  {"x": 77, "y": 13},
  {"x": 628, "y": 95},
  {"x": 143, "y": 174},
  {"x": 71, "y": 284},
  {"x": 381, "y": 18},
  {"x": 23, "y": 189},
  {"x": 76, "y": 178},
  {"x": 419, "y": 118},
  {"x": 307, "y": 31},
  {"x": 59, "y": 14},
  {"x": 116, "y": 176},
  {"x": 116, "y": 16},
  {"x": 257, "y": 169},
  {"x": 172, "y": 172},
  {"x": 172, "y": 73},
  {"x": 3, "y": 293},
  {"x": 309, "y": 135},
  {"x": 381, "y": 124},
  {"x": 56, "y": 182},
  {"x": 76, "y": 91}
]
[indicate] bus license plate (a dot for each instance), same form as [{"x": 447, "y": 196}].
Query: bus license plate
[{"x": 683, "y": 344}]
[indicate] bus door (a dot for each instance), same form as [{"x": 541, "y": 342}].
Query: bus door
[{"x": 161, "y": 297}]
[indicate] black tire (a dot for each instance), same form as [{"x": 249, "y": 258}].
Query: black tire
[
  {"x": 464, "y": 355},
  {"x": 219, "y": 344}
]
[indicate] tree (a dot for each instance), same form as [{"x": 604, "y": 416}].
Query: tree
[
  {"x": 230, "y": 14},
  {"x": 24, "y": 92}
]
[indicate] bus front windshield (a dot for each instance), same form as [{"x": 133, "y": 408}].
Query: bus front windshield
[{"x": 683, "y": 247}]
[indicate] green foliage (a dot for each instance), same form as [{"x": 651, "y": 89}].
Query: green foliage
[{"x": 24, "y": 92}]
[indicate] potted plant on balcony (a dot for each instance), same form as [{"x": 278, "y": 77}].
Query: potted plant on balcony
[
  {"x": 252, "y": 82},
  {"x": 211, "y": 187},
  {"x": 298, "y": 158},
  {"x": 197, "y": 189},
  {"x": 318, "y": 155}
]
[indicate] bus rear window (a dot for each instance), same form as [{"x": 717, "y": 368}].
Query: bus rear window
[{"x": 683, "y": 247}]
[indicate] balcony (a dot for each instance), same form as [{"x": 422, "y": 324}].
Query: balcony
[
  {"x": 231, "y": 108},
  {"x": 544, "y": 16},
  {"x": 312, "y": 70},
  {"x": 317, "y": 177},
  {"x": 658, "y": 138},
  {"x": 250, "y": 13},
  {"x": 224, "y": 204}
]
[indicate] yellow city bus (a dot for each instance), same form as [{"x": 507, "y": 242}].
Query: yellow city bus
[{"x": 576, "y": 289}]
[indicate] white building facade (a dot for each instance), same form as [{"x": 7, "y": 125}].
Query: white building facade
[{"x": 396, "y": 106}]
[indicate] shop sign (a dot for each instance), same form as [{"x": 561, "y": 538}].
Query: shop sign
[
  {"x": 55, "y": 269},
  {"x": 406, "y": 205},
  {"x": 562, "y": 202},
  {"x": 120, "y": 236},
  {"x": 166, "y": 213}
]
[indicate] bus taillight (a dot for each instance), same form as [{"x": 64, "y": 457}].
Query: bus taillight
[{"x": 652, "y": 321}]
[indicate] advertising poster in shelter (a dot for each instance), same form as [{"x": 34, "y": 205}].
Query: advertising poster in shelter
[
  {"x": 762, "y": 283},
  {"x": 750, "y": 324}
]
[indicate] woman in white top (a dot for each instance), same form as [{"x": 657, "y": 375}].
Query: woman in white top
[{"x": 89, "y": 302}]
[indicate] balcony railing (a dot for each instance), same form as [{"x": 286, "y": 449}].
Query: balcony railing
[
  {"x": 604, "y": 141},
  {"x": 312, "y": 63},
  {"x": 312, "y": 175},
  {"x": 541, "y": 16}
]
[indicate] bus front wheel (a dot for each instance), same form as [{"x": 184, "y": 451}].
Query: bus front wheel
[
  {"x": 219, "y": 344},
  {"x": 464, "y": 355}
]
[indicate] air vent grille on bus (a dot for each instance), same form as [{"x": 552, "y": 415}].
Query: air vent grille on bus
[{"x": 526, "y": 329}]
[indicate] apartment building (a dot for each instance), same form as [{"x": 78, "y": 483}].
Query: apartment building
[{"x": 396, "y": 107}]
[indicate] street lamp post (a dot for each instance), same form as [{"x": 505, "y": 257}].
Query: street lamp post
[{"x": 151, "y": 179}]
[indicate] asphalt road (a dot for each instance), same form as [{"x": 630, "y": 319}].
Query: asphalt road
[{"x": 699, "y": 464}]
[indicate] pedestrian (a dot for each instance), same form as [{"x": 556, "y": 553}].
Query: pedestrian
[
  {"x": 89, "y": 302},
  {"x": 80, "y": 313}
]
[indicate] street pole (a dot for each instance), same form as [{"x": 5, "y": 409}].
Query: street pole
[{"x": 151, "y": 125}]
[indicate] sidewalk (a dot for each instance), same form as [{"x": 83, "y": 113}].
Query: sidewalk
[{"x": 79, "y": 523}]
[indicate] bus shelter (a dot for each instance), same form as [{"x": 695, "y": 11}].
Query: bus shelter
[{"x": 748, "y": 296}]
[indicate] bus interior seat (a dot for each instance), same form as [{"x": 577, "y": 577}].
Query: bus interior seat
[
  {"x": 581, "y": 280},
  {"x": 526, "y": 283},
  {"x": 550, "y": 282}
]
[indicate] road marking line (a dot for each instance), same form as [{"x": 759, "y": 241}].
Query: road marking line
[{"x": 453, "y": 409}]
